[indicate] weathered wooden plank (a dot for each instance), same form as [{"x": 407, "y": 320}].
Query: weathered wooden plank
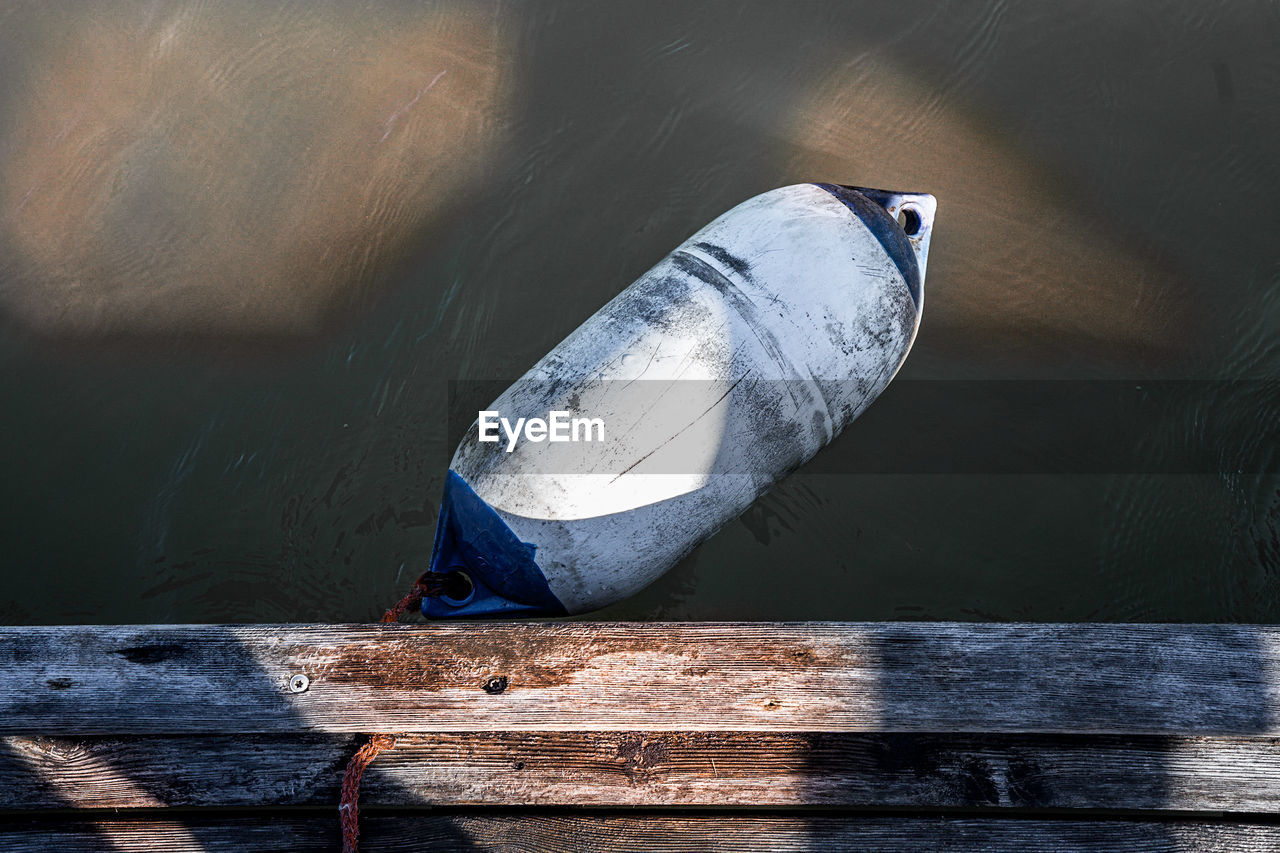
[
  {"x": 1124, "y": 679},
  {"x": 629, "y": 769},
  {"x": 647, "y": 833}
]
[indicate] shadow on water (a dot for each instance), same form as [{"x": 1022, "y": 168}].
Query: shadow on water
[
  {"x": 1039, "y": 270},
  {"x": 203, "y": 488}
]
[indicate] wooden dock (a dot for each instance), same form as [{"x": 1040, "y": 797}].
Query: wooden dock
[{"x": 588, "y": 736}]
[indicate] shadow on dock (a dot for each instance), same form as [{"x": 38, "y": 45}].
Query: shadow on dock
[
  {"x": 84, "y": 779},
  {"x": 819, "y": 736}
]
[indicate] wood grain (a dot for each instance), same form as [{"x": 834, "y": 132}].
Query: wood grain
[
  {"x": 1014, "y": 720},
  {"x": 635, "y": 769},
  {"x": 1176, "y": 680},
  {"x": 659, "y": 832}
]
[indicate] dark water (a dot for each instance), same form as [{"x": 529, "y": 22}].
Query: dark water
[{"x": 249, "y": 251}]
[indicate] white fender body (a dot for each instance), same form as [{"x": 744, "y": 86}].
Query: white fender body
[{"x": 719, "y": 371}]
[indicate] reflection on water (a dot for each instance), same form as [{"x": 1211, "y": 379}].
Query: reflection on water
[
  {"x": 234, "y": 168},
  {"x": 239, "y": 172},
  {"x": 1023, "y": 265}
]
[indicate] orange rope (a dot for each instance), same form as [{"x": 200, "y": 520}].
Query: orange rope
[
  {"x": 349, "y": 808},
  {"x": 431, "y": 583}
]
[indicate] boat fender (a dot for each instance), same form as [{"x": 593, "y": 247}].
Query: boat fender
[{"x": 719, "y": 371}]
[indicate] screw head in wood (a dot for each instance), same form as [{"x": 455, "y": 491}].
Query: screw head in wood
[{"x": 299, "y": 683}]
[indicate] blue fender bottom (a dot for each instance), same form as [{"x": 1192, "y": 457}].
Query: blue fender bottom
[{"x": 472, "y": 538}]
